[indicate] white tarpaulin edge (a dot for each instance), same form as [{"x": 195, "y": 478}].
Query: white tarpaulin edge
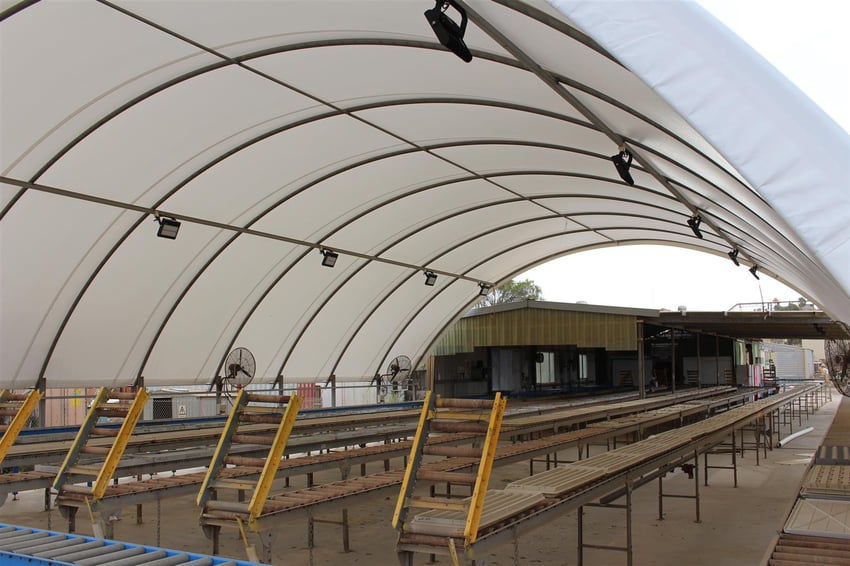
[{"x": 785, "y": 146}]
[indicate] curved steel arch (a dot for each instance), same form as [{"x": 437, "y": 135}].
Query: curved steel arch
[
  {"x": 227, "y": 61},
  {"x": 550, "y": 257},
  {"x": 372, "y": 159},
  {"x": 528, "y": 11},
  {"x": 453, "y": 214},
  {"x": 219, "y": 65},
  {"x": 481, "y": 235},
  {"x": 393, "y": 42},
  {"x": 490, "y": 258},
  {"x": 723, "y": 224},
  {"x": 397, "y": 197},
  {"x": 406, "y": 150},
  {"x": 427, "y": 149},
  {"x": 248, "y": 143}
]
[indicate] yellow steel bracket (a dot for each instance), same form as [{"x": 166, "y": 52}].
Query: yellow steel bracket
[
  {"x": 222, "y": 447},
  {"x": 264, "y": 484},
  {"x": 80, "y": 439},
  {"x": 250, "y": 549},
  {"x": 453, "y": 552},
  {"x": 94, "y": 517},
  {"x": 485, "y": 467},
  {"x": 19, "y": 421},
  {"x": 406, "y": 492},
  {"x": 110, "y": 464}
]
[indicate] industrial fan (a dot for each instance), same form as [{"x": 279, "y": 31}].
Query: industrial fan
[
  {"x": 837, "y": 355},
  {"x": 239, "y": 368},
  {"x": 392, "y": 384}
]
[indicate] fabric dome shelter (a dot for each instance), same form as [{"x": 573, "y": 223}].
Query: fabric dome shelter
[{"x": 274, "y": 130}]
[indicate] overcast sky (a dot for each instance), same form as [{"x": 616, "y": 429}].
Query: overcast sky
[{"x": 810, "y": 44}]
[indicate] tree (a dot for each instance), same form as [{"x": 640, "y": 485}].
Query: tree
[{"x": 511, "y": 292}]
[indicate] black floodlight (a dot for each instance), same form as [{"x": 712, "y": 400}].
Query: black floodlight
[
  {"x": 483, "y": 289},
  {"x": 329, "y": 258},
  {"x": 733, "y": 255},
  {"x": 430, "y": 278},
  {"x": 694, "y": 222},
  {"x": 168, "y": 227},
  {"x": 754, "y": 269},
  {"x": 447, "y": 31},
  {"x": 623, "y": 161}
]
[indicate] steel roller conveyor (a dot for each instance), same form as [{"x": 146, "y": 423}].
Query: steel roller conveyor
[{"x": 23, "y": 545}]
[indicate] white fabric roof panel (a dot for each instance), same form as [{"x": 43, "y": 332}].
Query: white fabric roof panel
[{"x": 273, "y": 129}]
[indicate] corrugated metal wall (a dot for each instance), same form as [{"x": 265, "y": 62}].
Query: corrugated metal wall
[{"x": 539, "y": 327}]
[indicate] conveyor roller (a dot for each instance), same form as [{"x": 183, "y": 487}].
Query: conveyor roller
[{"x": 36, "y": 546}]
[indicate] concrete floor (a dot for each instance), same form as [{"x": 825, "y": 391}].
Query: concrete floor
[{"x": 737, "y": 527}]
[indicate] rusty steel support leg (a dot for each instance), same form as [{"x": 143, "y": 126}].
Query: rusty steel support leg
[
  {"x": 763, "y": 435},
  {"x": 696, "y": 484},
  {"x": 310, "y": 537},
  {"x": 580, "y": 525},
  {"x": 72, "y": 519},
  {"x": 346, "y": 545},
  {"x": 734, "y": 462},
  {"x": 139, "y": 506},
  {"x": 47, "y": 499},
  {"x": 661, "y": 497},
  {"x": 629, "y": 548},
  {"x": 216, "y": 533},
  {"x": 266, "y": 538}
]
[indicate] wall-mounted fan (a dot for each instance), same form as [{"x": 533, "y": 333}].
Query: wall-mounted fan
[
  {"x": 391, "y": 384},
  {"x": 239, "y": 368},
  {"x": 399, "y": 369}
]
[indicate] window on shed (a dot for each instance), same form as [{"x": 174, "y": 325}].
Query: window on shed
[{"x": 162, "y": 408}]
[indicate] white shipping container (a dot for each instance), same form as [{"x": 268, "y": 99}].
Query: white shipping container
[{"x": 791, "y": 362}]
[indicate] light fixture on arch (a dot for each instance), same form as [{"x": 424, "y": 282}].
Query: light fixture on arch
[
  {"x": 329, "y": 257},
  {"x": 484, "y": 289},
  {"x": 430, "y": 278},
  {"x": 168, "y": 227},
  {"x": 733, "y": 255},
  {"x": 694, "y": 222},
  {"x": 447, "y": 31},
  {"x": 754, "y": 270},
  {"x": 623, "y": 162}
]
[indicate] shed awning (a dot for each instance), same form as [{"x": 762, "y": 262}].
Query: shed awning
[{"x": 273, "y": 130}]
